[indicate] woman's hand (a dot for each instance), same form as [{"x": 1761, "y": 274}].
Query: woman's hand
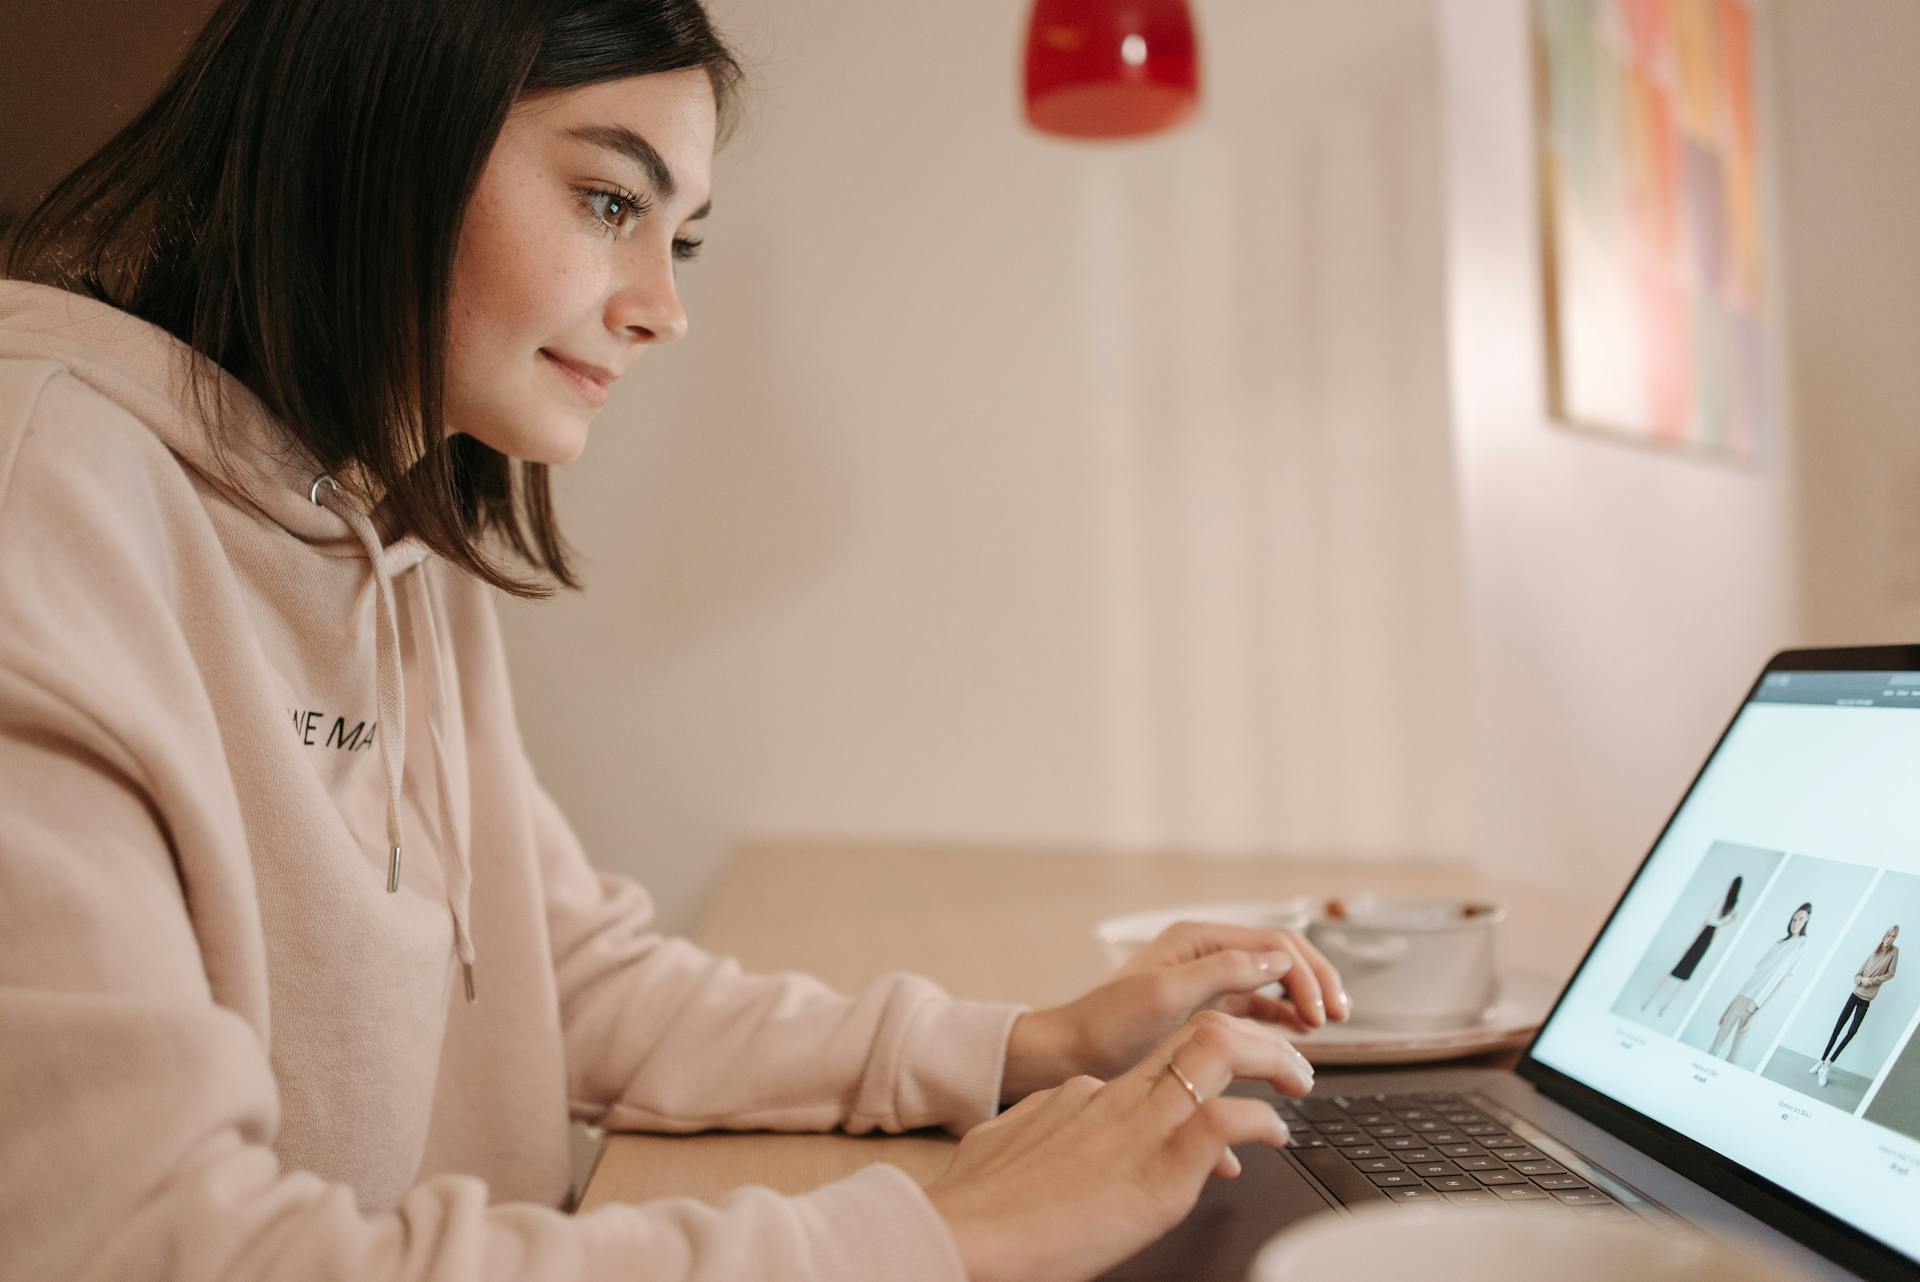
[
  {"x": 1190, "y": 966},
  {"x": 1074, "y": 1179}
]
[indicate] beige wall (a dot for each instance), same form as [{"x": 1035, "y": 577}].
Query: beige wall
[
  {"x": 1623, "y": 598},
  {"x": 1850, "y": 113},
  {"x": 1017, "y": 489}
]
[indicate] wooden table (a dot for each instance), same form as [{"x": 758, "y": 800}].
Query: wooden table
[{"x": 997, "y": 923}]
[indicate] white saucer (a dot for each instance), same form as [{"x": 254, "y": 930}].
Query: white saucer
[{"x": 1525, "y": 998}]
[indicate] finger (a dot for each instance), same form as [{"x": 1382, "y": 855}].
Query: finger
[
  {"x": 1228, "y": 1167},
  {"x": 1196, "y": 1145},
  {"x": 1268, "y": 1010},
  {"x": 1218, "y": 1050},
  {"x": 1194, "y": 984},
  {"x": 1262, "y": 1009},
  {"x": 1303, "y": 987},
  {"x": 1330, "y": 984},
  {"x": 1198, "y": 938}
]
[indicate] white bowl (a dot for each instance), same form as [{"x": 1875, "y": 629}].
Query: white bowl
[
  {"x": 1414, "y": 962},
  {"x": 1125, "y": 935}
]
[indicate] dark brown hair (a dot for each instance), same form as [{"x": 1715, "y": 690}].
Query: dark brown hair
[{"x": 288, "y": 207}]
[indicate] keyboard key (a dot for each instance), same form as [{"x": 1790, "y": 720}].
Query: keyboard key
[
  {"x": 1319, "y": 1110},
  {"x": 1379, "y": 1164},
  {"x": 1583, "y": 1197},
  {"x": 1458, "y": 1150},
  {"x": 1336, "y": 1128},
  {"x": 1557, "y": 1182},
  {"x": 1433, "y": 1170},
  {"x": 1371, "y": 1119},
  {"x": 1454, "y": 1184},
  {"x": 1349, "y": 1186},
  {"x": 1523, "y": 1192},
  {"x": 1481, "y": 1128},
  {"x": 1539, "y": 1168},
  {"x": 1481, "y": 1163},
  {"x": 1389, "y": 1179},
  {"x": 1400, "y": 1141},
  {"x": 1444, "y": 1137},
  {"x": 1389, "y": 1128},
  {"x": 1440, "y": 1097},
  {"x": 1502, "y": 1142},
  {"x": 1362, "y": 1152},
  {"x": 1415, "y": 1193},
  {"x": 1473, "y": 1198},
  {"x": 1347, "y": 1140},
  {"x": 1408, "y": 1156},
  {"x": 1499, "y": 1177},
  {"x": 1518, "y": 1153},
  {"x": 1306, "y": 1141},
  {"x": 1416, "y": 1125}
]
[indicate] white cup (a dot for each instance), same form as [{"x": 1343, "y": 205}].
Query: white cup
[
  {"x": 1413, "y": 963},
  {"x": 1471, "y": 1245},
  {"x": 1124, "y": 936}
]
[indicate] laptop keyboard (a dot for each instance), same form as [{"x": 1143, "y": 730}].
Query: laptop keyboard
[{"x": 1442, "y": 1150}]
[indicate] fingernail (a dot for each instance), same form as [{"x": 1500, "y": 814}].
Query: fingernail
[
  {"x": 1305, "y": 1067},
  {"x": 1275, "y": 963},
  {"x": 1346, "y": 1003}
]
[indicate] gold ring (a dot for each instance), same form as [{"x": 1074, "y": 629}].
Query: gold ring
[{"x": 1184, "y": 1081}]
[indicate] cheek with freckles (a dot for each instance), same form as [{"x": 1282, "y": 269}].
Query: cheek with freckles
[{"x": 525, "y": 277}]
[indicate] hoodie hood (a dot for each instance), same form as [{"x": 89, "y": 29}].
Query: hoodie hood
[{"x": 147, "y": 371}]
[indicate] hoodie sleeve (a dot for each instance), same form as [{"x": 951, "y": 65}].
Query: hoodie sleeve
[
  {"x": 137, "y": 1114},
  {"x": 662, "y": 1036}
]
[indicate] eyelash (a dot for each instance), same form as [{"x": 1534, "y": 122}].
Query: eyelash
[{"x": 636, "y": 206}]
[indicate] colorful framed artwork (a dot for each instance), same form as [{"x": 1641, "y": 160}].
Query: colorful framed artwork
[{"x": 1657, "y": 302}]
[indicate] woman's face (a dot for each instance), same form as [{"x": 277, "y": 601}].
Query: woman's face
[
  {"x": 1886, "y": 940},
  {"x": 566, "y": 257},
  {"x": 1798, "y": 926}
]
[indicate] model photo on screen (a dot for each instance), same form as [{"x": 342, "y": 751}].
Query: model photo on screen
[
  {"x": 1708, "y": 915},
  {"x": 1857, "y": 1005},
  {"x": 1787, "y": 940}
]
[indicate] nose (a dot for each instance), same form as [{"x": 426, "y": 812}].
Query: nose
[{"x": 646, "y": 307}]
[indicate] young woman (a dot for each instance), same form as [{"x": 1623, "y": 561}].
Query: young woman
[
  {"x": 304, "y": 973},
  {"x": 1874, "y": 972},
  {"x": 1682, "y": 972},
  {"x": 1769, "y": 973}
]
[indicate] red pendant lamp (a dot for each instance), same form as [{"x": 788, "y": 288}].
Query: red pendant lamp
[{"x": 1111, "y": 68}]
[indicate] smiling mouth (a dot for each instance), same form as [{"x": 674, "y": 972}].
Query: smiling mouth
[{"x": 592, "y": 389}]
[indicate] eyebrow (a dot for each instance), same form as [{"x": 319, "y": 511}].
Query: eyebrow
[{"x": 623, "y": 141}]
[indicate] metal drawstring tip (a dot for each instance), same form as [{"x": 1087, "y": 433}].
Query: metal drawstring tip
[
  {"x": 467, "y": 968},
  {"x": 393, "y": 872}
]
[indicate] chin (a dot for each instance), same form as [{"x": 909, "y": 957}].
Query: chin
[{"x": 533, "y": 441}]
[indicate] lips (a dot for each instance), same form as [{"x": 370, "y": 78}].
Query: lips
[{"x": 589, "y": 380}]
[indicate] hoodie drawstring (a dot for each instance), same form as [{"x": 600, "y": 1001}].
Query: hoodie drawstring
[{"x": 392, "y": 711}]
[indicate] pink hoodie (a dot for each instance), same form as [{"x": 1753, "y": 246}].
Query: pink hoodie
[{"x": 229, "y": 1049}]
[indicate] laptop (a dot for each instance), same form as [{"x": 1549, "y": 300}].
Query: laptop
[{"x": 1712, "y": 1065}]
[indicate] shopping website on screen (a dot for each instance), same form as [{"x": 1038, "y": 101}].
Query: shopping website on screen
[{"x": 1749, "y": 992}]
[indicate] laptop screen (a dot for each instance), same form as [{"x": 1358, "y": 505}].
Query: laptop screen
[{"x": 1750, "y": 990}]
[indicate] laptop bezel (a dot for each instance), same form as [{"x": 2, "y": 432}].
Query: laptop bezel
[{"x": 1815, "y": 1228}]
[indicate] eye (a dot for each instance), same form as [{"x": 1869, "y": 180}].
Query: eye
[
  {"x": 613, "y": 209},
  {"x": 686, "y": 249}
]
